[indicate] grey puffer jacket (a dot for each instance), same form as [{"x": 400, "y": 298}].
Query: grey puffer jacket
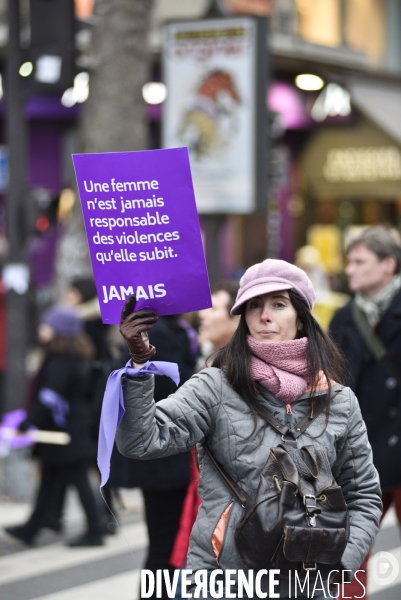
[{"x": 207, "y": 409}]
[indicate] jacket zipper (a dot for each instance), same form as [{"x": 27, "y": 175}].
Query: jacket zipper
[{"x": 288, "y": 415}]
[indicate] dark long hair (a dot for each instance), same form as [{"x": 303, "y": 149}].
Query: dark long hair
[{"x": 322, "y": 355}]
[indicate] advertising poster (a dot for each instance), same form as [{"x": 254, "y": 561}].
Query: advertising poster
[
  {"x": 211, "y": 72},
  {"x": 143, "y": 231}
]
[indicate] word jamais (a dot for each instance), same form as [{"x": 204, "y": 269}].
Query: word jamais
[
  {"x": 125, "y": 204},
  {"x": 114, "y": 292},
  {"x": 232, "y": 583}
]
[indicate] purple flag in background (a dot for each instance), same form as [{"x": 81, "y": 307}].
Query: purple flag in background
[
  {"x": 143, "y": 231},
  {"x": 11, "y": 421},
  {"x": 57, "y": 404}
]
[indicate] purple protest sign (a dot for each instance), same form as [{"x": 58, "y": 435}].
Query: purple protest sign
[{"x": 143, "y": 231}]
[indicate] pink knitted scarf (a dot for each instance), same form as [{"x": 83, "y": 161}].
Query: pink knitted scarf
[{"x": 281, "y": 367}]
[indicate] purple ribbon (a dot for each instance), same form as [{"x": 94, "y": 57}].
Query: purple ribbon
[
  {"x": 12, "y": 420},
  {"x": 113, "y": 407},
  {"x": 58, "y": 405}
]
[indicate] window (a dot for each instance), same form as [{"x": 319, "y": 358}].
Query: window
[
  {"x": 319, "y": 21},
  {"x": 365, "y": 27},
  {"x": 358, "y": 24}
]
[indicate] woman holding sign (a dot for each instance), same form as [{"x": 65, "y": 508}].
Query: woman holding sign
[{"x": 271, "y": 403}]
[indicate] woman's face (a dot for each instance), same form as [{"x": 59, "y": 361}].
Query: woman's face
[{"x": 272, "y": 318}]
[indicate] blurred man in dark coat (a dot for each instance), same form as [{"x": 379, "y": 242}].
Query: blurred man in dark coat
[{"x": 373, "y": 271}]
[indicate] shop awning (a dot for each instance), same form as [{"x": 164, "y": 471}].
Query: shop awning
[
  {"x": 359, "y": 160},
  {"x": 379, "y": 101}
]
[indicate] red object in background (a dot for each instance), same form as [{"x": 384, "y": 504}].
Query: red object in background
[
  {"x": 3, "y": 335},
  {"x": 354, "y": 589},
  {"x": 188, "y": 516},
  {"x": 42, "y": 223}
]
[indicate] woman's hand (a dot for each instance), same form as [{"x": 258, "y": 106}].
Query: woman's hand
[{"x": 134, "y": 327}]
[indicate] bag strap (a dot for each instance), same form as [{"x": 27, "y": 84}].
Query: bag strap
[
  {"x": 295, "y": 431},
  {"x": 287, "y": 465},
  {"x": 232, "y": 485},
  {"x": 373, "y": 342}
]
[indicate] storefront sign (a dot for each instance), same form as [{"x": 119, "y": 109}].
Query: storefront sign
[
  {"x": 363, "y": 164},
  {"x": 143, "y": 231},
  {"x": 356, "y": 161},
  {"x": 216, "y": 79}
]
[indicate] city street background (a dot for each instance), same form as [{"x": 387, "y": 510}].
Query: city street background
[{"x": 291, "y": 113}]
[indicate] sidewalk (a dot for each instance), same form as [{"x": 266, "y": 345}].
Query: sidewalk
[
  {"x": 51, "y": 570},
  {"x": 15, "y": 513}
]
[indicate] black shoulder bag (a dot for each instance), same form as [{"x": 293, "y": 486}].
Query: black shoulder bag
[{"x": 297, "y": 518}]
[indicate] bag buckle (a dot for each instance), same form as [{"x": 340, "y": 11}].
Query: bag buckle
[
  {"x": 311, "y": 509},
  {"x": 311, "y": 520},
  {"x": 312, "y": 499},
  {"x": 309, "y": 567},
  {"x": 288, "y": 442}
]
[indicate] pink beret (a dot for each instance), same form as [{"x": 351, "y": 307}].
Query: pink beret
[{"x": 271, "y": 276}]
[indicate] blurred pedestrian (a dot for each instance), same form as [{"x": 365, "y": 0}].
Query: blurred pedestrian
[
  {"x": 3, "y": 330},
  {"x": 217, "y": 325},
  {"x": 60, "y": 405},
  {"x": 163, "y": 481},
  {"x": 308, "y": 258},
  {"x": 368, "y": 331},
  {"x": 82, "y": 295}
]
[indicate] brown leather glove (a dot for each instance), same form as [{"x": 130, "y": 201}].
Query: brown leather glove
[{"x": 134, "y": 327}]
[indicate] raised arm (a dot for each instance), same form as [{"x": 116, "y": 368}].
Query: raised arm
[
  {"x": 173, "y": 425},
  {"x": 149, "y": 430}
]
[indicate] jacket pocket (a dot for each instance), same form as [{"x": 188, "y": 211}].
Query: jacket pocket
[{"x": 219, "y": 532}]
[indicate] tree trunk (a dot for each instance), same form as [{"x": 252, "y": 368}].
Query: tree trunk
[{"x": 113, "y": 118}]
